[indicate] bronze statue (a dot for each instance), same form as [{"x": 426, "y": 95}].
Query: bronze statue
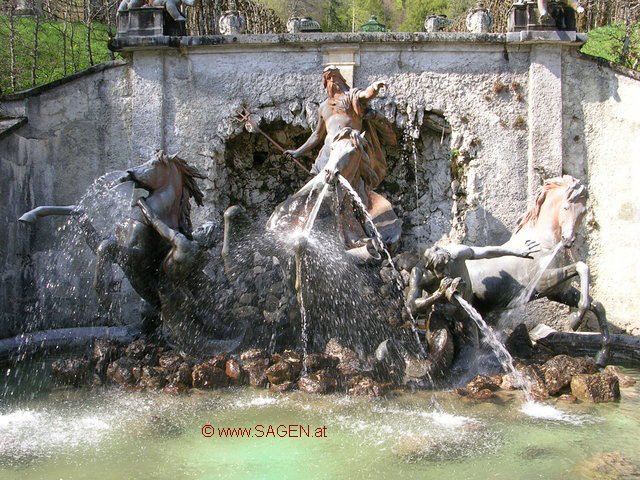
[
  {"x": 172, "y": 6},
  {"x": 349, "y": 108},
  {"x": 351, "y": 134},
  {"x": 162, "y": 257},
  {"x": 136, "y": 247},
  {"x": 188, "y": 306},
  {"x": 553, "y": 221},
  {"x": 444, "y": 271}
]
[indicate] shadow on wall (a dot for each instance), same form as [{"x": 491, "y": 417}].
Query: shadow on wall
[
  {"x": 485, "y": 229},
  {"x": 258, "y": 177},
  {"x": 418, "y": 185}
]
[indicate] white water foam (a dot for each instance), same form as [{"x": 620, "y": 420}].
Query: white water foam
[{"x": 544, "y": 411}]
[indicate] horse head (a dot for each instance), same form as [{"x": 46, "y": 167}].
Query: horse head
[
  {"x": 155, "y": 174},
  {"x": 573, "y": 209},
  {"x": 560, "y": 206},
  {"x": 348, "y": 151},
  {"x": 171, "y": 184}
]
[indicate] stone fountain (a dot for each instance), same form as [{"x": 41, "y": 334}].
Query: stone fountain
[{"x": 295, "y": 234}]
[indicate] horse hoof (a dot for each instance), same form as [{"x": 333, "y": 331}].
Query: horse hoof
[
  {"x": 602, "y": 357},
  {"x": 232, "y": 212}
]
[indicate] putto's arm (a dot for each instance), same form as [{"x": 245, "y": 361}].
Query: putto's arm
[{"x": 477, "y": 253}]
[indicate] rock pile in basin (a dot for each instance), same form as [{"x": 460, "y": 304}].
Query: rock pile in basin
[{"x": 143, "y": 365}]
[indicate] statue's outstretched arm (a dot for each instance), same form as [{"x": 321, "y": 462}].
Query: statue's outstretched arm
[
  {"x": 526, "y": 251},
  {"x": 371, "y": 91},
  {"x": 314, "y": 139}
]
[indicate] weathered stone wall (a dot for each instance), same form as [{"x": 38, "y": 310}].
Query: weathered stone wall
[
  {"x": 75, "y": 132},
  {"x": 602, "y": 141},
  {"x": 481, "y": 114}
]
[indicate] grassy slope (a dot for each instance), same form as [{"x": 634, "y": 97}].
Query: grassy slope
[{"x": 51, "y": 40}]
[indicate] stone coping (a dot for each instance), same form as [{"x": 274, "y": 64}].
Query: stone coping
[
  {"x": 11, "y": 97},
  {"x": 124, "y": 43},
  {"x": 8, "y": 125}
]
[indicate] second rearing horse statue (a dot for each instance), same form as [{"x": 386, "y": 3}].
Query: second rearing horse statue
[{"x": 553, "y": 221}]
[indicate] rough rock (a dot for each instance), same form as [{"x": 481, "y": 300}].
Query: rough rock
[
  {"x": 183, "y": 375},
  {"x": 559, "y": 370},
  {"x": 205, "y": 376},
  {"x": 568, "y": 398},
  {"x": 152, "y": 378},
  {"x": 280, "y": 372},
  {"x": 366, "y": 386},
  {"x": 257, "y": 374},
  {"x": 320, "y": 382},
  {"x": 318, "y": 361},
  {"x": 294, "y": 359},
  {"x": 102, "y": 353},
  {"x": 348, "y": 361},
  {"x": 219, "y": 361},
  {"x": 282, "y": 387},
  {"x": 169, "y": 360},
  {"x": 138, "y": 349},
  {"x": 526, "y": 375},
  {"x": 124, "y": 371},
  {"x": 254, "y": 355},
  {"x": 484, "y": 382},
  {"x": 608, "y": 466},
  {"x": 597, "y": 387},
  {"x": 625, "y": 380},
  {"x": 483, "y": 394},
  {"x": 519, "y": 343},
  {"x": 234, "y": 371},
  {"x": 71, "y": 371},
  {"x": 175, "y": 389}
]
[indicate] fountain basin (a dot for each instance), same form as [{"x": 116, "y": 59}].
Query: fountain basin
[{"x": 49, "y": 432}]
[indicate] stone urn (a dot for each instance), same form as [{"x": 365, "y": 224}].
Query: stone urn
[
  {"x": 435, "y": 23},
  {"x": 293, "y": 25},
  {"x": 231, "y": 23},
  {"x": 308, "y": 25},
  {"x": 479, "y": 20}
]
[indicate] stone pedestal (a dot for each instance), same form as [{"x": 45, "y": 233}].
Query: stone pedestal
[
  {"x": 526, "y": 16},
  {"x": 148, "y": 22}
]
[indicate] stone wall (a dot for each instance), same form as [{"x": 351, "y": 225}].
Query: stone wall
[
  {"x": 487, "y": 114},
  {"x": 602, "y": 141}
]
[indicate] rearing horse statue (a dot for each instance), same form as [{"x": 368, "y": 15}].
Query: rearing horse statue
[
  {"x": 559, "y": 207},
  {"x": 136, "y": 247}
]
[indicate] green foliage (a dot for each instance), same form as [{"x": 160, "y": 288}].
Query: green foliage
[
  {"x": 608, "y": 42},
  {"x": 417, "y": 10},
  {"x": 51, "y": 60}
]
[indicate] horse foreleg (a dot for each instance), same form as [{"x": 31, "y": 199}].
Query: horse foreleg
[
  {"x": 231, "y": 214},
  {"x": 573, "y": 298},
  {"x": 106, "y": 254},
  {"x": 555, "y": 277}
]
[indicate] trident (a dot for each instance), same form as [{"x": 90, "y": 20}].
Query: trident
[{"x": 243, "y": 116}]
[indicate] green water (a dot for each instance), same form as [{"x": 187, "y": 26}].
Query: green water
[{"x": 110, "y": 434}]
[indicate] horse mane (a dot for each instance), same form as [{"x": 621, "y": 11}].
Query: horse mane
[
  {"x": 357, "y": 140},
  {"x": 574, "y": 190},
  {"x": 190, "y": 189}
]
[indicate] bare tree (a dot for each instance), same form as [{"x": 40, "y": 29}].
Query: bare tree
[
  {"x": 34, "y": 51},
  {"x": 12, "y": 45}
]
